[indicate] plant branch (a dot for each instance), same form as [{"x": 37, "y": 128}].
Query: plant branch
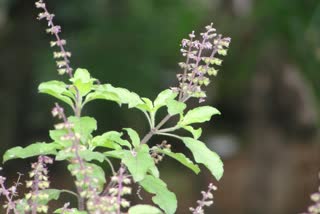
[
  {"x": 171, "y": 129},
  {"x": 168, "y": 134},
  {"x": 151, "y": 125}
]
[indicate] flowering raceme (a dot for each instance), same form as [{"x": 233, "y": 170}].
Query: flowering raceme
[
  {"x": 63, "y": 62},
  {"x": 201, "y": 59}
]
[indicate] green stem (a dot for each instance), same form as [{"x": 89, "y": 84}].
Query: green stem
[
  {"x": 78, "y": 104},
  {"x": 153, "y": 131},
  {"x": 171, "y": 129},
  {"x": 153, "y": 116},
  {"x": 111, "y": 166},
  {"x": 70, "y": 192},
  {"x": 161, "y": 123},
  {"x": 149, "y": 120},
  {"x": 170, "y": 135}
]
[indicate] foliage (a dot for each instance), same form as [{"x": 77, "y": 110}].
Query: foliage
[{"x": 74, "y": 141}]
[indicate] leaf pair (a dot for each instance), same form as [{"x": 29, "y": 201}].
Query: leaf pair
[{"x": 83, "y": 90}]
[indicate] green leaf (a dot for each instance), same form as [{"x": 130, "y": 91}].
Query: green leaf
[
  {"x": 97, "y": 174},
  {"x": 69, "y": 211},
  {"x": 195, "y": 132},
  {"x": 198, "y": 115},
  {"x": 32, "y": 150},
  {"x": 162, "y": 98},
  {"x": 22, "y": 206},
  {"x": 85, "y": 154},
  {"x": 154, "y": 171},
  {"x": 203, "y": 155},
  {"x": 84, "y": 126},
  {"x": 105, "y": 140},
  {"x": 175, "y": 107},
  {"x": 146, "y": 106},
  {"x": 116, "y": 153},
  {"x": 135, "y": 139},
  {"x": 110, "y": 140},
  {"x": 138, "y": 162},
  {"x": 182, "y": 159},
  {"x": 53, "y": 194},
  {"x": 56, "y": 135},
  {"x": 164, "y": 198},
  {"x": 126, "y": 97},
  {"x": 56, "y": 89},
  {"x": 82, "y": 81},
  {"x": 102, "y": 95},
  {"x": 82, "y": 75},
  {"x": 144, "y": 209}
]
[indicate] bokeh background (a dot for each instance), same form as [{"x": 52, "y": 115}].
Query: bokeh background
[{"x": 268, "y": 89}]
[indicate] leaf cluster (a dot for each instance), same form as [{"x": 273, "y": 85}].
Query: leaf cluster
[{"x": 132, "y": 151}]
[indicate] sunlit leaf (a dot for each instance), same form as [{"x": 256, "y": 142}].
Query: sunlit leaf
[
  {"x": 198, "y": 115},
  {"x": 82, "y": 81},
  {"x": 182, "y": 159},
  {"x": 111, "y": 139},
  {"x": 126, "y": 97},
  {"x": 69, "y": 211},
  {"x": 144, "y": 209},
  {"x": 102, "y": 95},
  {"x": 175, "y": 107},
  {"x": 97, "y": 173},
  {"x": 119, "y": 154},
  {"x": 164, "y": 198},
  {"x": 32, "y": 150},
  {"x": 56, "y": 89},
  {"x": 135, "y": 139},
  {"x": 202, "y": 154},
  {"x": 162, "y": 98},
  {"x": 53, "y": 194},
  {"x": 154, "y": 171},
  {"x": 56, "y": 136},
  {"x": 146, "y": 106},
  {"x": 138, "y": 162},
  {"x": 195, "y": 132},
  {"x": 84, "y": 154},
  {"x": 83, "y": 126}
]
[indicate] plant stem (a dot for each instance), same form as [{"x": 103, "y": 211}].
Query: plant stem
[
  {"x": 171, "y": 129},
  {"x": 153, "y": 131},
  {"x": 78, "y": 104},
  {"x": 149, "y": 120},
  {"x": 170, "y": 135},
  {"x": 70, "y": 192},
  {"x": 162, "y": 122}
]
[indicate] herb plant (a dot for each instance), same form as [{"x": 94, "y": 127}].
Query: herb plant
[{"x": 73, "y": 139}]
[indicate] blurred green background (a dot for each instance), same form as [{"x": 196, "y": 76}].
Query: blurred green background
[{"x": 268, "y": 87}]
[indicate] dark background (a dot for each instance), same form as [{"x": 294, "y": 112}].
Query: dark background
[{"x": 267, "y": 90}]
